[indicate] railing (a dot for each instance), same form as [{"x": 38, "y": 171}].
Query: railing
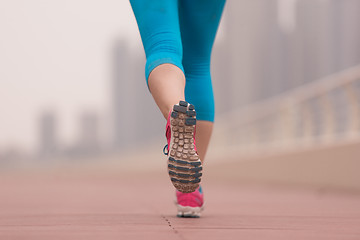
[{"x": 323, "y": 111}]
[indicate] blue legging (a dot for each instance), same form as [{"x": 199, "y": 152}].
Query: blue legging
[{"x": 182, "y": 33}]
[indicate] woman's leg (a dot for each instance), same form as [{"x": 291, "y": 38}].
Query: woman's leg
[
  {"x": 167, "y": 84},
  {"x": 158, "y": 23},
  {"x": 199, "y": 22}
]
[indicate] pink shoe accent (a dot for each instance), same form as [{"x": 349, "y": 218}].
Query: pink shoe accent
[{"x": 194, "y": 199}]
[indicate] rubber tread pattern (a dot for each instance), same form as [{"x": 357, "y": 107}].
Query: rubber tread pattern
[
  {"x": 185, "y": 181},
  {"x": 178, "y": 108},
  {"x": 184, "y": 175},
  {"x": 196, "y": 169},
  {"x": 184, "y": 165},
  {"x": 191, "y": 113},
  {"x": 195, "y": 164},
  {"x": 190, "y": 121},
  {"x": 183, "y": 103},
  {"x": 174, "y": 114}
]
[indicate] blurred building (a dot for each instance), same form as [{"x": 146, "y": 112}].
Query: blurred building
[
  {"x": 89, "y": 134},
  {"x": 271, "y": 46},
  {"x": 135, "y": 115},
  {"x": 48, "y": 135}
]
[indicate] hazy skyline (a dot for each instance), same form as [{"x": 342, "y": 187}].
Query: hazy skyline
[
  {"x": 59, "y": 56},
  {"x": 50, "y": 50}
]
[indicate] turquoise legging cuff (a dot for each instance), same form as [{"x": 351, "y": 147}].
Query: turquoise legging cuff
[{"x": 182, "y": 33}]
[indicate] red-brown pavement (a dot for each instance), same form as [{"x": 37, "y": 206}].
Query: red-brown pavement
[{"x": 139, "y": 205}]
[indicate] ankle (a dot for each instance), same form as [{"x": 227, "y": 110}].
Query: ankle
[{"x": 165, "y": 111}]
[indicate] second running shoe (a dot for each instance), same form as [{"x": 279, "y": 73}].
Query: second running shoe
[
  {"x": 184, "y": 165},
  {"x": 190, "y": 205}
]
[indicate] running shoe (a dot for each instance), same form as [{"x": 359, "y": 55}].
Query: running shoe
[
  {"x": 184, "y": 165},
  {"x": 190, "y": 205}
]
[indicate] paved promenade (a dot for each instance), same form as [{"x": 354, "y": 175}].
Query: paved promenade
[{"x": 65, "y": 205}]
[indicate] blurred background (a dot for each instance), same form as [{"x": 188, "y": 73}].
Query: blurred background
[{"x": 286, "y": 77}]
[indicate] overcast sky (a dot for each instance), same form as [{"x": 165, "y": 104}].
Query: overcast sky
[{"x": 56, "y": 54}]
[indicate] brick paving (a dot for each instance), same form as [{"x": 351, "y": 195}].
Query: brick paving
[{"x": 109, "y": 206}]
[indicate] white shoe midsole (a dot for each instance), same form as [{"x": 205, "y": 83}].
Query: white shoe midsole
[{"x": 189, "y": 211}]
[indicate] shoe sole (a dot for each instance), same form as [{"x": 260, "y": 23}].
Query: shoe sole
[
  {"x": 188, "y": 212},
  {"x": 184, "y": 165}
]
